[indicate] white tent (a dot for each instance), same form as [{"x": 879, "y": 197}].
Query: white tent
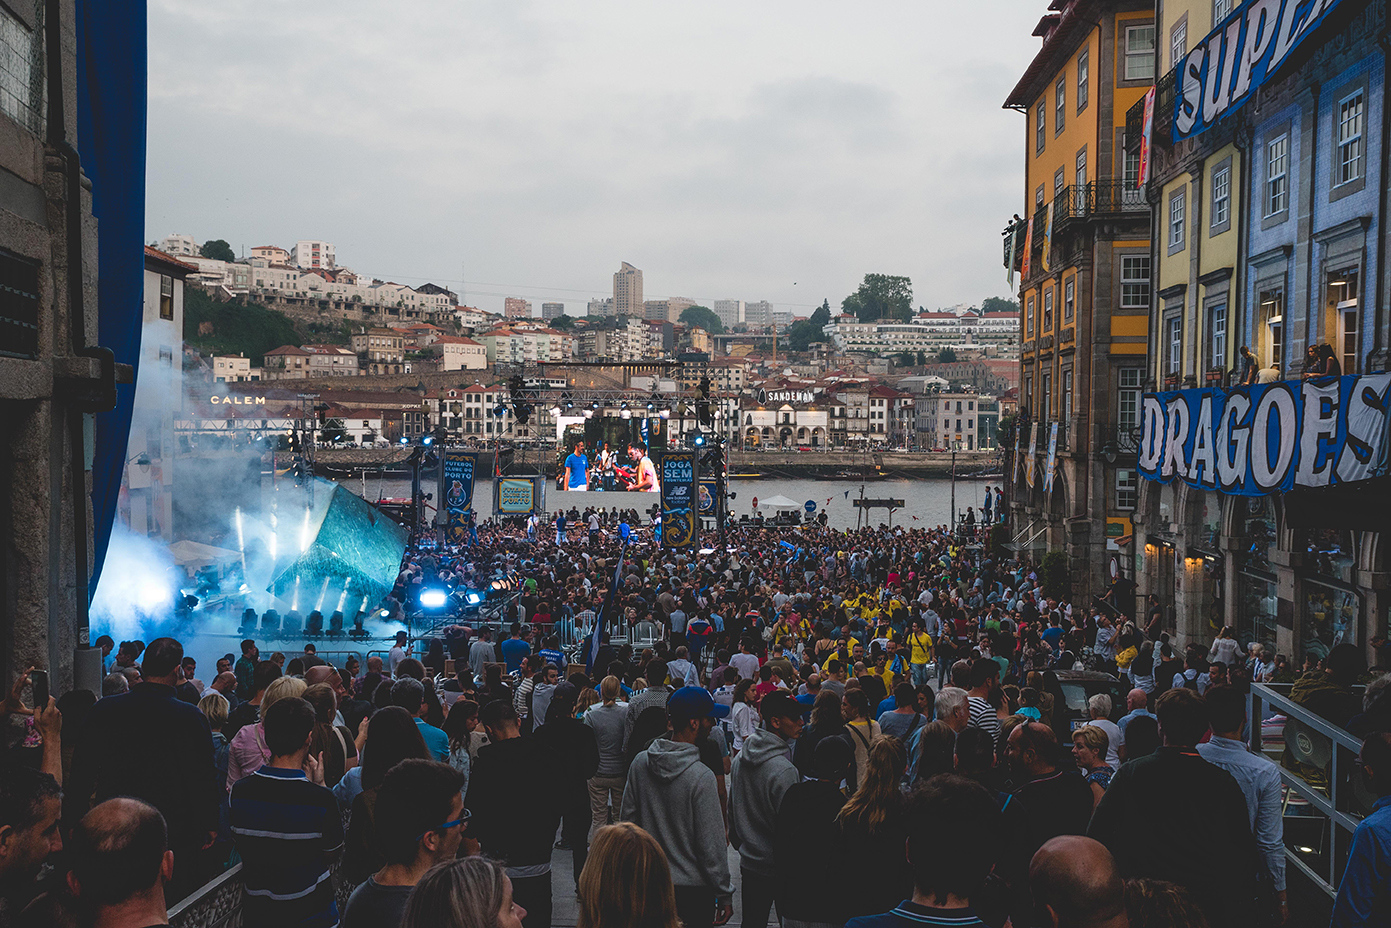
[{"x": 778, "y": 503}]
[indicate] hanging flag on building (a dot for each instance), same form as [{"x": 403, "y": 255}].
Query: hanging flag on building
[
  {"x": 1048, "y": 235},
  {"x": 1145, "y": 135},
  {"x": 1028, "y": 248},
  {"x": 1032, "y": 455},
  {"x": 1051, "y": 464}
]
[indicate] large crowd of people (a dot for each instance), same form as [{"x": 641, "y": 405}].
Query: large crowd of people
[{"x": 883, "y": 727}]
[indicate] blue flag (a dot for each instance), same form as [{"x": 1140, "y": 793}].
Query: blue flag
[{"x": 596, "y": 636}]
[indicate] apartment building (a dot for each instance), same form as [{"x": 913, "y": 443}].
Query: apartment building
[
  {"x": 514, "y": 307},
  {"x": 233, "y": 369},
  {"x": 178, "y": 245},
  {"x": 731, "y": 312},
  {"x": 627, "y": 291},
  {"x": 1083, "y": 256},
  {"x": 1268, "y": 198},
  {"x": 312, "y": 254},
  {"x": 551, "y": 311}
]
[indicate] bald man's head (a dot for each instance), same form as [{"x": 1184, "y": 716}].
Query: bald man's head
[
  {"x": 119, "y": 849},
  {"x": 1136, "y": 699},
  {"x": 1075, "y": 884}
]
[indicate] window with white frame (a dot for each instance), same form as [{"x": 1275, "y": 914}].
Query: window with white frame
[
  {"x": 1130, "y": 169},
  {"x": 1069, "y": 299},
  {"x": 1058, "y": 183},
  {"x": 1127, "y": 489},
  {"x": 1128, "y": 398},
  {"x": 1029, "y": 316},
  {"x": 1040, "y": 127},
  {"x": 1083, "y": 79},
  {"x": 1174, "y": 359},
  {"x": 1221, "y": 196},
  {"x": 1139, "y": 53},
  {"x": 1059, "y": 105},
  {"x": 1178, "y": 42},
  {"x": 1177, "y": 207},
  {"x": 1047, "y": 310},
  {"x": 1277, "y": 181},
  {"x": 1067, "y": 394},
  {"x": 1350, "y": 139},
  {"x": 1135, "y": 281},
  {"x": 1081, "y": 180},
  {"x": 1221, "y": 9},
  {"x": 1217, "y": 336},
  {"x": 1038, "y": 198}
]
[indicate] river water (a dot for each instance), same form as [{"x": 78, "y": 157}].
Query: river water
[{"x": 927, "y": 501}]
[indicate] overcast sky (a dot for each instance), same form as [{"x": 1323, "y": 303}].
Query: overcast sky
[{"x": 746, "y": 150}]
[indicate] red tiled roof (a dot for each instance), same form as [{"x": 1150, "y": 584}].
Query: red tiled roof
[{"x": 165, "y": 258}]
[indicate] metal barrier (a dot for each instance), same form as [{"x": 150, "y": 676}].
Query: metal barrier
[
  {"x": 1324, "y": 796},
  {"x": 215, "y": 904}
]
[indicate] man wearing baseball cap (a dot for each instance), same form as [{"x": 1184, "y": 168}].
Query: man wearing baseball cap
[
  {"x": 672, "y": 795},
  {"x": 762, "y": 773}
]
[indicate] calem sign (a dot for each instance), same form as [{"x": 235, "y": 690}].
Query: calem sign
[{"x": 237, "y": 400}]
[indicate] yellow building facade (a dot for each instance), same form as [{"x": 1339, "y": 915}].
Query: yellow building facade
[{"x": 1083, "y": 254}]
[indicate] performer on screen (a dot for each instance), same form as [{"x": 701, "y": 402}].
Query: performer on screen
[{"x": 645, "y": 480}]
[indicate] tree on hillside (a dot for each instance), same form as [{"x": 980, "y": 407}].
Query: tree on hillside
[
  {"x": 946, "y": 356},
  {"x": 922, "y": 358},
  {"x": 995, "y": 304},
  {"x": 217, "y": 250},
  {"x": 881, "y": 296},
  {"x": 803, "y": 332},
  {"x": 905, "y": 358},
  {"x": 702, "y": 317},
  {"x": 563, "y": 323}
]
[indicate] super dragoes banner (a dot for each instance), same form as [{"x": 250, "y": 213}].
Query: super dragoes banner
[
  {"x": 1258, "y": 440},
  {"x": 1246, "y": 49}
]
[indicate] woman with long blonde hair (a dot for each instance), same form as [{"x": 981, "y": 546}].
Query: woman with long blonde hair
[
  {"x": 468, "y": 892},
  {"x": 873, "y": 832},
  {"x": 626, "y": 882}
]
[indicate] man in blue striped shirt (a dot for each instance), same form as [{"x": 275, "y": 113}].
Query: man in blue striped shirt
[{"x": 287, "y": 827}]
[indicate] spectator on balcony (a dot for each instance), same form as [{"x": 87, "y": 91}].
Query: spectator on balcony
[
  {"x": 1364, "y": 895},
  {"x": 1269, "y": 374},
  {"x": 1248, "y": 367}
]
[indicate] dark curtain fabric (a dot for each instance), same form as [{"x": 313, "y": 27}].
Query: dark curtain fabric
[{"x": 111, "y": 100}]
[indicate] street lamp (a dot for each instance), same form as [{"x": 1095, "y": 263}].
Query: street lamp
[{"x": 955, "y": 446}]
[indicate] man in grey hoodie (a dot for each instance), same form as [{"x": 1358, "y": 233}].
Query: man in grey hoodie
[
  {"x": 762, "y": 773},
  {"x": 672, "y": 795}
]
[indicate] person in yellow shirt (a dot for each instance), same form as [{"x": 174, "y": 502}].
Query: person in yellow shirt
[
  {"x": 919, "y": 652},
  {"x": 884, "y": 671}
]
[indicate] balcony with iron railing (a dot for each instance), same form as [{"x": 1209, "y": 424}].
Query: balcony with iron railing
[
  {"x": 1163, "y": 107},
  {"x": 1102, "y": 199}
]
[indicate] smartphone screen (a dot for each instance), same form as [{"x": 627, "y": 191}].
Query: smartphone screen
[{"x": 39, "y": 680}]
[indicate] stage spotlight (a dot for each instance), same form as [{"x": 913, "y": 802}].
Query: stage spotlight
[
  {"x": 270, "y": 621},
  {"x": 314, "y": 625},
  {"x": 427, "y": 440},
  {"x": 555, "y": 410},
  {"x": 335, "y": 623},
  {"x": 589, "y": 414},
  {"x": 294, "y": 621},
  {"x": 404, "y": 440},
  {"x": 473, "y": 598},
  {"x": 433, "y": 599},
  {"x": 384, "y": 614},
  {"x": 665, "y": 413},
  {"x": 626, "y": 413},
  {"x": 699, "y": 440},
  {"x": 248, "y": 620}
]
